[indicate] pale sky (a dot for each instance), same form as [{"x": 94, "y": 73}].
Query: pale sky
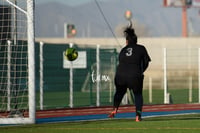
[{"x": 68, "y": 2}]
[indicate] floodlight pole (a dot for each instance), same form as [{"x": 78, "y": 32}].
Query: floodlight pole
[
  {"x": 184, "y": 22},
  {"x": 184, "y": 6}
]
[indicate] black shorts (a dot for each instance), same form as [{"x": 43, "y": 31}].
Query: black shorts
[{"x": 133, "y": 83}]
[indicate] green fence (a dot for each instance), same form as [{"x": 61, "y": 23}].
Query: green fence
[
  {"x": 182, "y": 84},
  {"x": 56, "y": 79}
]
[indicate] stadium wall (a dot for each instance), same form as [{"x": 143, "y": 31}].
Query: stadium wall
[{"x": 154, "y": 46}]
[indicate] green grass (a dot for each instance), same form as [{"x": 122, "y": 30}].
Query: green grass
[
  {"x": 60, "y": 99},
  {"x": 170, "y": 124},
  {"x": 57, "y": 99}
]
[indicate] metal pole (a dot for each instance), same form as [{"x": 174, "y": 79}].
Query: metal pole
[
  {"x": 31, "y": 59},
  {"x": 9, "y": 74},
  {"x": 184, "y": 22},
  {"x": 199, "y": 72},
  {"x": 41, "y": 76},
  {"x": 165, "y": 76},
  {"x": 71, "y": 82},
  {"x": 190, "y": 89},
  {"x": 150, "y": 90},
  {"x": 65, "y": 30},
  {"x": 15, "y": 23},
  {"x": 98, "y": 76}
]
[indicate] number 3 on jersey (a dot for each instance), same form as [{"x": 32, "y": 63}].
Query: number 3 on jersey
[{"x": 129, "y": 51}]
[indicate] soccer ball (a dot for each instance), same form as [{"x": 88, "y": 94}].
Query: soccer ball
[{"x": 71, "y": 54}]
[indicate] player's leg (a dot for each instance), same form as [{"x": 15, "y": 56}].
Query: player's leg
[
  {"x": 119, "y": 94},
  {"x": 138, "y": 105},
  {"x": 136, "y": 85},
  {"x": 117, "y": 100}
]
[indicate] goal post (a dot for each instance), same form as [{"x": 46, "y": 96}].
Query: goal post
[{"x": 17, "y": 63}]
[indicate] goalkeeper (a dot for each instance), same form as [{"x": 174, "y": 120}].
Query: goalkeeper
[{"x": 133, "y": 61}]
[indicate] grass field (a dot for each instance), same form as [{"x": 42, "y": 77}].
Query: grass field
[
  {"x": 59, "y": 99},
  {"x": 165, "y": 124}
]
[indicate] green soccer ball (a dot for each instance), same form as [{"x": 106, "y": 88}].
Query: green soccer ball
[{"x": 71, "y": 54}]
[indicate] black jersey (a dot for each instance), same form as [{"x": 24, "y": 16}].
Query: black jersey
[{"x": 133, "y": 61}]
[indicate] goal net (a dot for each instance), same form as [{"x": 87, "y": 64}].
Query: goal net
[{"x": 17, "y": 86}]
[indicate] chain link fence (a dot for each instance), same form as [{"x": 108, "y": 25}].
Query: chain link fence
[{"x": 93, "y": 83}]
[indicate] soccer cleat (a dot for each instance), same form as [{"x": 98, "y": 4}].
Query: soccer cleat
[
  {"x": 112, "y": 114},
  {"x": 138, "y": 119}
]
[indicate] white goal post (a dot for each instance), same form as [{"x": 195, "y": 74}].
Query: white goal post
[{"x": 17, "y": 63}]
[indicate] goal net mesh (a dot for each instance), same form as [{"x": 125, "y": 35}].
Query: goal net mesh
[{"x": 14, "y": 90}]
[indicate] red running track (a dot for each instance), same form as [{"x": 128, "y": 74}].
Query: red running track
[{"x": 108, "y": 109}]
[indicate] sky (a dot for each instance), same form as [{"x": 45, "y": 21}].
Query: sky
[
  {"x": 68, "y": 2},
  {"x": 193, "y": 21}
]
